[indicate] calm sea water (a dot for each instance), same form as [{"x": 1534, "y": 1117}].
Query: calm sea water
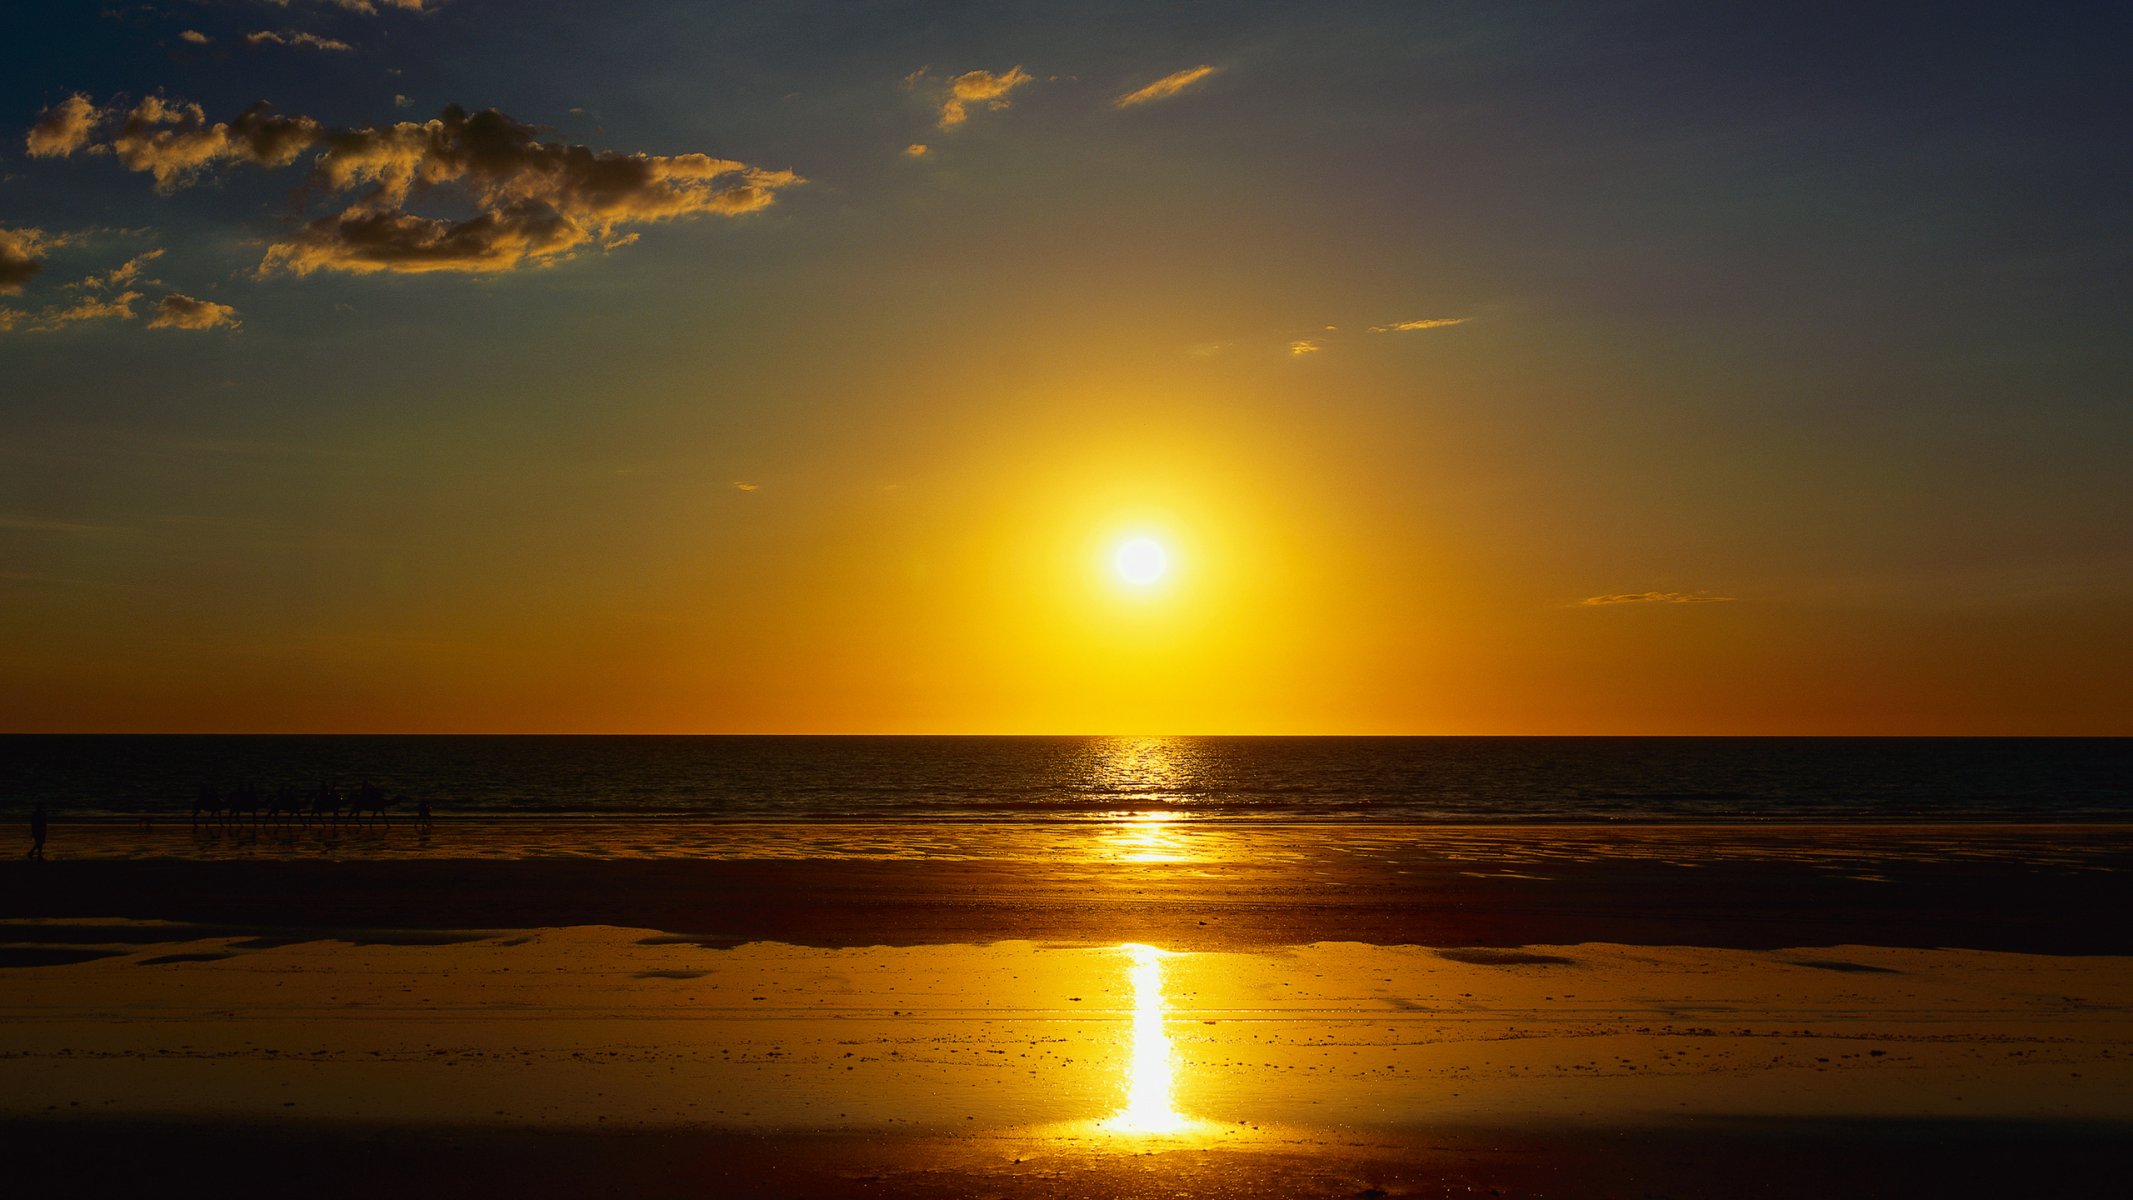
[{"x": 930, "y": 779}]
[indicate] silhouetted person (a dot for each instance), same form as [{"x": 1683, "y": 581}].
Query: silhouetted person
[
  {"x": 37, "y": 831},
  {"x": 422, "y": 811}
]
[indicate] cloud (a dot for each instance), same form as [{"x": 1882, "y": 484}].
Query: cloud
[
  {"x": 64, "y": 128},
  {"x": 1164, "y": 88},
  {"x": 22, "y": 256},
  {"x": 122, "y": 274},
  {"x": 88, "y": 308},
  {"x": 1425, "y": 323},
  {"x": 745, "y": 486},
  {"x": 1303, "y": 346},
  {"x": 979, "y": 87},
  {"x": 917, "y": 149},
  {"x": 405, "y": 101},
  {"x": 41, "y": 525},
  {"x": 533, "y": 202},
  {"x": 369, "y": 8},
  {"x": 177, "y": 311},
  {"x": 298, "y": 40},
  {"x": 1657, "y": 598},
  {"x": 194, "y": 36},
  {"x": 173, "y": 141}
]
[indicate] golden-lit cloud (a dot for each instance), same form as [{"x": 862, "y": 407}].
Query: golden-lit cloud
[
  {"x": 177, "y": 311},
  {"x": 533, "y": 201},
  {"x": 979, "y": 87},
  {"x": 22, "y": 256},
  {"x": 173, "y": 141},
  {"x": 369, "y": 8},
  {"x": 746, "y": 486},
  {"x": 917, "y": 149},
  {"x": 122, "y": 274},
  {"x": 1425, "y": 323},
  {"x": 1303, "y": 346},
  {"x": 88, "y": 308},
  {"x": 297, "y": 39},
  {"x": 1164, "y": 88},
  {"x": 1657, "y": 598},
  {"x": 64, "y": 128},
  {"x": 194, "y": 36}
]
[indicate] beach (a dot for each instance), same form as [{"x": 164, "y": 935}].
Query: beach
[{"x": 969, "y": 1010}]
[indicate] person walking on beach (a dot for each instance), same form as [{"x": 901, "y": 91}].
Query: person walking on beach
[{"x": 37, "y": 831}]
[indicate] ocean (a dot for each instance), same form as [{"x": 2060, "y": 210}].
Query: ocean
[{"x": 1417, "y": 780}]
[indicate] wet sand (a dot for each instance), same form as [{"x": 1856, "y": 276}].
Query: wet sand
[
  {"x": 2053, "y": 889},
  {"x": 1620, "y": 1012}
]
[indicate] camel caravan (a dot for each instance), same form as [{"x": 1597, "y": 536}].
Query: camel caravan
[{"x": 249, "y": 803}]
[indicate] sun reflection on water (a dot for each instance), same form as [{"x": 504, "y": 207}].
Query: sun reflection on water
[{"x": 1150, "y": 1072}]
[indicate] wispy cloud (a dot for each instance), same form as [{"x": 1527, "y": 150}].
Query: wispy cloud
[
  {"x": 746, "y": 486},
  {"x": 979, "y": 87},
  {"x": 123, "y": 274},
  {"x": 1657, "y": 598},
  {"x": 296, "y": 39},
  {"x": 1303, "y": 346},
  {"x": 535, "y": 202},
  {"x": 194, "y": 36},
  {"x": 177, "y": 311},
  {"x": 88, "y": 308},
  {"x": 1425, "y": 323},
  {"x": 74, "y": 528},
  {"x": 1164, "y": 88},
  {"x": 918, "y": 150}
]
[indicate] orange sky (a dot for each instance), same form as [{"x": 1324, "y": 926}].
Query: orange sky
[{"x": 1482, "y": 372}]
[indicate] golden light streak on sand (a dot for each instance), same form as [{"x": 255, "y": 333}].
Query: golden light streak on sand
[{"x": 1151, "y": 1071}]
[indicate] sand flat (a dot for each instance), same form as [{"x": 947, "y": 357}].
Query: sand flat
[
  {"x": 1587, "y": 1012},
  {"x": 590, "y": 1025}
]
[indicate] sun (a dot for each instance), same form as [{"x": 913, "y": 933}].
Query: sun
[{"x": 1141, "y": 561}]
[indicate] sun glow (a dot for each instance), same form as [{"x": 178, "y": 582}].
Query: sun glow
[
  {"x": 1149, "y": 1073},
  {"x": 1141, "y": 561}
]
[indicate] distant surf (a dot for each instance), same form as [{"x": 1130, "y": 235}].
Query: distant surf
[{"x": 1420, "y": 780}]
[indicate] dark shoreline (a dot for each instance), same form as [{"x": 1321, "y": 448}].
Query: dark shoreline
[
  {"x": 1714, "y": 1157},
  {"x": 1988, "y": 904}
]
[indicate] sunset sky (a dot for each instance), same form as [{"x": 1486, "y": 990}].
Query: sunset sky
[{"x": 530, "y": 366}]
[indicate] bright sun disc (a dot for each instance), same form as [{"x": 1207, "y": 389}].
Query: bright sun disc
[{"x": 1141, "y": 561}]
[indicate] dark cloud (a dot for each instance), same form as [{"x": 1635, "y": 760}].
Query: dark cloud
[
  {"x": 533, "y": 200},
  {"x": 174, "y": 141},
  {"x": 21, "y": 257},
  {"x": 296, "y": 39}
]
